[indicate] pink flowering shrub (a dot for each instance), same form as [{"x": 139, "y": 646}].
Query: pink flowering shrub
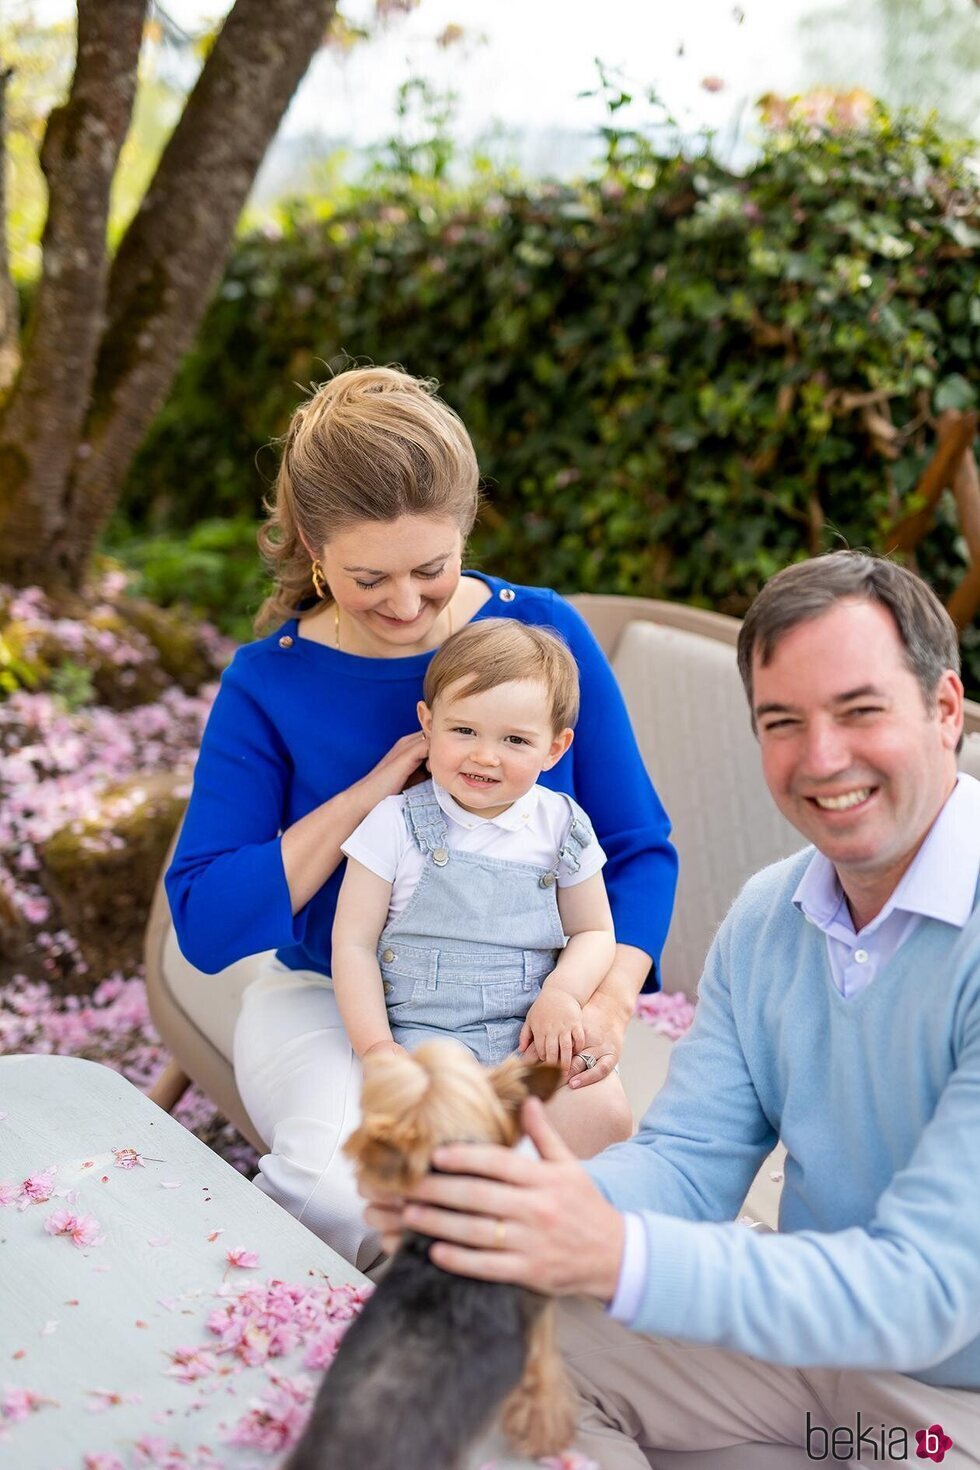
[
  {"x": 668, "y": 1012},
  {"x": 111, "y": 1026},
  {"x": 55, "y": 761}
]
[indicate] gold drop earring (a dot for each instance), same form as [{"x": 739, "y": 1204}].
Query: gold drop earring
[{"x": 319, "y": 581}]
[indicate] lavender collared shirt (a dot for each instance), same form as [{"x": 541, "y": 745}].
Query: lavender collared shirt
[{"x": 939, "y": 883}]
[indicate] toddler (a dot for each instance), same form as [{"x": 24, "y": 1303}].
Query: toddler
[{"x": 473, "y": 904}]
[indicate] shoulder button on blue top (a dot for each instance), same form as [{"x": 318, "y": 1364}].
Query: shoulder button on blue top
[
  {"x": 507, "y": 594},
  {"x": 285, "y": 641}
]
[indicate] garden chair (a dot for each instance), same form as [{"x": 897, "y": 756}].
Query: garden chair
[{"x": 676, "y": 667}]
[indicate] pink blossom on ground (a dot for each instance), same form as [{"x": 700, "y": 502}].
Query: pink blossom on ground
[
  {"x": 38, "y": 1188},
  {"x": 275, "y": 1421},
  {"x": 87, "y": 1231},
  {"x": 244, "y": 1259},
  {"x": 188, "y": 1364},
  {"x": 669, "y": 1012},
  {"x": 18, "y": 1403},
  {"x": 322, "y": 1351},
  {"x": 258, "y": 1322},
  {"x": 110, "y": 1398},
  {"x": 128, "y": 1158},
  {"x": 102, "y": 1462},
  {"x": 147, "y": 1451},
  {"x": 60, "y": 1222},
  {"x": 111, "y": 1026},
  {"x": 84, "y": 1230}
]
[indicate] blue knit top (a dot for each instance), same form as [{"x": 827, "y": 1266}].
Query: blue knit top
[{"x": 296, "y": 722}]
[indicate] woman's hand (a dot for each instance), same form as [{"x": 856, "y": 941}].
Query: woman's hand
[
  {"x": 605, "y": 1029},
  {"x": 389, "y": 776},
  {"x": 607, "y": 1015},
  {"x": 500, "y": 1216},
  {"x": 311, "y": 847}
]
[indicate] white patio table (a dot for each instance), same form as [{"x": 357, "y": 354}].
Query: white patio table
[{"x": 105, "y": 1349}]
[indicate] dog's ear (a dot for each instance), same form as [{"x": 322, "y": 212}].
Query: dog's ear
[
  {"x": 394, "y": 1154},
  {"x": 518, "y": 1078},
  {"x": 543, "y": 1080}
]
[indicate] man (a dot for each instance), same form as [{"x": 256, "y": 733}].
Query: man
[{"x": 839, "y": 1010}]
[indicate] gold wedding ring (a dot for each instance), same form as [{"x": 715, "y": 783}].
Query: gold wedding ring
[{"x": 499, "y": 1235}]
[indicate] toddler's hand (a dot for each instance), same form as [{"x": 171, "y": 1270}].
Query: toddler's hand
[
  {"x": 384, "y": 1048},
  {"x": 554, "y": 1027}
]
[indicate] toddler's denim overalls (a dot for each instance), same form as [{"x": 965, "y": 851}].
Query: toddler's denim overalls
[{"x": 467, "y": 955}]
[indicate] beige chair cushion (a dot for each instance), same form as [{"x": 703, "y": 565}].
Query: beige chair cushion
[
  {"x": 689, "y": 712},
  {"x": 969, "y": 760},
  {"x": 211, "y": 1001}
]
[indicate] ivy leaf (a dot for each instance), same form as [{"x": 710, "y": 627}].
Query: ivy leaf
[{"x": 955, "y": 392}]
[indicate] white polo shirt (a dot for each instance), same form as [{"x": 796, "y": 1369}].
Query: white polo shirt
[{"x": 531, "y": 831}]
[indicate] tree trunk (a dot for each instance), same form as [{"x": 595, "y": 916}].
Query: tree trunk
[
  {"x": 102, "y": 347},
  {"x": 44, "y": 413},
  {"x": 175, "y": 250},
  {"x": 9, "y": 349}
]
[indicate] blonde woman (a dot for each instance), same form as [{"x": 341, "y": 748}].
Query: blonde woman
[{"x": 315, "y": 724}]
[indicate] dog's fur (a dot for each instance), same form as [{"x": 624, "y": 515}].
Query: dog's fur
[{"x": 432, "y": 1356}]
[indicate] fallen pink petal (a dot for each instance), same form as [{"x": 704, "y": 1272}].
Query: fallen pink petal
[
  {"x": 243, "y": 1259},
  {"x": 128, "y": 1158},
  {"x": 60, "y": 1222},
  {"x": 38, "y": 1188},
  {"x": 108, "y": 1398},
  {"x": 87, "y": 1231},
  {"x": 17, "y": 1404}
]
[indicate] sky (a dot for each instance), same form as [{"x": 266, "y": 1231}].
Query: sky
[{"x": 523, "y": 63}]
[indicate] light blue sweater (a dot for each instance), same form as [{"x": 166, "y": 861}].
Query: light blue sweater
[{"x": 877, "y": 1099}]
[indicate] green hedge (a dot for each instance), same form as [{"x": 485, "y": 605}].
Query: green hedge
[{"x": 653, "y": 363}]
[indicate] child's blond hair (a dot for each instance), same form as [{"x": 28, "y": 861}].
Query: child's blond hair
[{"x": 495, "y": 651}]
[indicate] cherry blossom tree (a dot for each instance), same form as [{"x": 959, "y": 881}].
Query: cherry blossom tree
[{"x": 81, "y": 383}]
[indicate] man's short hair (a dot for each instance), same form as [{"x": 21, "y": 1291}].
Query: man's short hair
[
  {"x": 495, "y": 651},
  {"x": 808, "y": 589}
]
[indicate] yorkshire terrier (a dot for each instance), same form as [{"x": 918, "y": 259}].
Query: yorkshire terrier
[{"x": 432, "y": 1356}]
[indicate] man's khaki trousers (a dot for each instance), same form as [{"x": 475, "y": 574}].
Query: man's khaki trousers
[{"x": 645, "y": 1400}]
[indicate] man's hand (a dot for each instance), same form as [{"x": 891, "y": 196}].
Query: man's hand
[
  {"x": 499, "y": 1216},
  {"x": 553, "y": 1026}
]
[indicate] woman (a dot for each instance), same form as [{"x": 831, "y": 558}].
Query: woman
[{"x": 375, "y": 496}]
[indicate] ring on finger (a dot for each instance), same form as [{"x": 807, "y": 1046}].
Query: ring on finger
[
  {"x": 499, "y": 1235},
  {"x": 588, "y": 1059}
]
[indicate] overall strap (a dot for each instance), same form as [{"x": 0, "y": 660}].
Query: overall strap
[
  {"x": 578, "y": 836},
  {"x": 425, "y": 817}
]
